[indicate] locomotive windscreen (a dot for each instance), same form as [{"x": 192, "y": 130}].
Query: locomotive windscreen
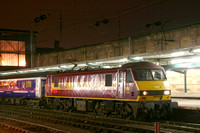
[{"x": 147, "y": 74}]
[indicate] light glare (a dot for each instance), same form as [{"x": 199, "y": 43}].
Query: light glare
[
  {"x": 196, "y": 50},
  {"x": 145, "y": 93},
  {"x": 63, "y": 66},
  {"x": 177, "y": 54},
  {"x": 138, "y": 58},
  {"x": 166, "y": 92}
]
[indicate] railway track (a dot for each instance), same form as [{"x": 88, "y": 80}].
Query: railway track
[
  {"x": 57, "y": 121},
  {"x": 186, "y": 115},
  {"x": 26, "y": 127}
]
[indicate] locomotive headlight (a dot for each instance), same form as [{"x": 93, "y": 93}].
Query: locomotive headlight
[
  {"x": 167, "y": 92},
  {"x": 144, "y": 93}
]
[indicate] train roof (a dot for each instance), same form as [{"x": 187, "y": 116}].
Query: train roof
[
  {"x": 25, "y": 78},
  {"x": 135, "y": 65},
  {"x": 141, "y": 65}
]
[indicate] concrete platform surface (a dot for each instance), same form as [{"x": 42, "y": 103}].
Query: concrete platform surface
[
  {"x": 185, "y": 95},
  {"x": 188, "y": 103}
]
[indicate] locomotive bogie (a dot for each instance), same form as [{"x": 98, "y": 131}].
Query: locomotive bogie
[{"x": 10, "y": 100}]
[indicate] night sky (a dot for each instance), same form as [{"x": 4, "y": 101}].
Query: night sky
[{"x": 84, "y": 22}]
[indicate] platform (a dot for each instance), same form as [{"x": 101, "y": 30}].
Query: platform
[
  {"x": 185, "y": 95},
  {"x": 188, "y": 100}
]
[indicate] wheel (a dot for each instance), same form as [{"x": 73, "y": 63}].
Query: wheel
[{"x": 126, "y": 111}]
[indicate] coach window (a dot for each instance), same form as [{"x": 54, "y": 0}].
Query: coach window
[
  {"x": 55, "y": 81},
  {"x": 28, "y": 84},
  {"x": 1, "y": 84},
  {"x": 108, "y": 80},
  {"x": 23, "y": 84},
  {"x": 11, "y": 84},
  {"x": 129, "y": 77}
]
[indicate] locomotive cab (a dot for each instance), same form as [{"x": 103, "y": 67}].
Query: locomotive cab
[
  {"x": 152, "y": 85},
  {"x": 149, "y": 88},
  {"x": 147, "y": 82}
]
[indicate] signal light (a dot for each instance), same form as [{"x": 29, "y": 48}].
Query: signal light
[
  {"x": 105, "y": 21},
  {"x": 100, "y": 22},
  {"x": 37, "y": 19},
  {"x": 148, "y": 25},
  {"x": 43, "y": 17},
  {"x": 157, "y": 23}
]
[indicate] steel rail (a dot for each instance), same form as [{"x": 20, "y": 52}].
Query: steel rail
[
  {"x": 98, "y": 123},
  {"x": 37, "y": 126}
]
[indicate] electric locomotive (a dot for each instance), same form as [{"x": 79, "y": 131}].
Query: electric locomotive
[{"x": 136, "y": 89}]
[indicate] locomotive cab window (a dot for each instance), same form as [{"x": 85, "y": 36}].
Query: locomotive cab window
[
  {"x": 55, "y": 81},
  {"x": 149, "y": 74},
  {"x": 158, "y": 75},
  {"x": 129, "y": 77},
  {"x": 108, "y": 80}
]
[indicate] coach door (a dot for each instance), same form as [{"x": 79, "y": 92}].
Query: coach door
[
  {"x": 43, "y": 81},
  {"x": 120, "y": 91},
  {"x": 49, "y": 86}
]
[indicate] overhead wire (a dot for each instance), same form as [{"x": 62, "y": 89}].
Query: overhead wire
[
  {"x": 111, "y": 16},
  {"x": 44, "y": 9}
]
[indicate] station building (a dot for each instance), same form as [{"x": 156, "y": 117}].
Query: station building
[{"x": 17, "y": 49}]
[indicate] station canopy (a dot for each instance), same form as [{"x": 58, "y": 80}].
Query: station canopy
[{"x": 181, "y": 59}]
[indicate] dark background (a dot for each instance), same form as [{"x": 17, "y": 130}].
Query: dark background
[{"x": 84, "y": 22}]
